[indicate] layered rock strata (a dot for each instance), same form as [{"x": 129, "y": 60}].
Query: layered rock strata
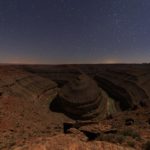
[{"x": 81, "y": 97}]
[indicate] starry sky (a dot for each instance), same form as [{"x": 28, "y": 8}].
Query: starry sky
[{"x": 74, "y": 31}]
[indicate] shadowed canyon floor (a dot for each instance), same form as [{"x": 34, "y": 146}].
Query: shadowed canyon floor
[{"x": 74, "y": 107}]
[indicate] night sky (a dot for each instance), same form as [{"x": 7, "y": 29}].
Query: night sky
[{"x": 74, "y": 31}]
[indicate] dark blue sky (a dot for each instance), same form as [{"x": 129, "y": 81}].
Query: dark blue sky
[{"x": 74, "y": 31}]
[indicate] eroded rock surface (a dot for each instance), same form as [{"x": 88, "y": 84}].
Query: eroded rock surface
[{"x": 66, "y": 142}]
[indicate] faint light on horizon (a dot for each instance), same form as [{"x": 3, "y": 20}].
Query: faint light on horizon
[
  {"x": 111, "y": 61},
  {"x": 107, "y": 61}
]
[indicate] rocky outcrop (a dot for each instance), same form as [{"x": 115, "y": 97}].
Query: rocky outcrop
[
  {"x": 118, "y": 93},
  {"x": 126, "y": 92},
  {"x": 81, "y": 98}
]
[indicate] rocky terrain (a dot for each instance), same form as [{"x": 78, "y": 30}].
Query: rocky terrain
[{"x": 75, "y": 107}]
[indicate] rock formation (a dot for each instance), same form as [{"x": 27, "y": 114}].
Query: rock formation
[{"x": 81, "y": 97}]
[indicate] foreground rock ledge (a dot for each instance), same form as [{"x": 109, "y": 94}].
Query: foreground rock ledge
[{"x": 66, "y": 142}]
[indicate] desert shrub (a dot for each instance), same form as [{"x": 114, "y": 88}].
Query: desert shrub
[
  {"x": 131, "y": 143},
  {"x": 129, "y": 121},
  {"x": 146, "y": 146},
  {"x": 120, "y": 139},
  {"x": 114, "y": 138},
  {"x": 106, "y": 137},
  {"x": 132, "y": 133}
]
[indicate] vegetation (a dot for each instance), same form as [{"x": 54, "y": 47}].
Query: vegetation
[
  {"x": 114, "y": 138},
  {"x": 132, "y": 133},
  {"x": 131, "y": 143}
]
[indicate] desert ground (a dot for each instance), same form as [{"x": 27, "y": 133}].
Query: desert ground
[{"x": 75, "y": 107}]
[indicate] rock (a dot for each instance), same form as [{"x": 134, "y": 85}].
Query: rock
[
  {"x": 77, "y": 133},
  {"x": 148, "y": 121},
  {"x": 77, "y": 125},
  {"x": 112, "y": 131},
  {"x": 67, "y": 126},
  {"x": 73, "y": 131},
  {"x": 129, "y": 121}
]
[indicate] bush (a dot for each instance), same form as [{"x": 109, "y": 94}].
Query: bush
[
  {"x": 106, "y": 137},
  {"x": 131, "y": 133},
  {"x": 131, "y": 143},
  {"x": 146, "y": 146},
  {"x": 114, "y": 138},
  {"x": 120, "y": 139}
]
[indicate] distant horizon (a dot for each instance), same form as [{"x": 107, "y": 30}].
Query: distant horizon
[
  {"x": 30, "y": 60},
  {"x": 130, "y": 63}
]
